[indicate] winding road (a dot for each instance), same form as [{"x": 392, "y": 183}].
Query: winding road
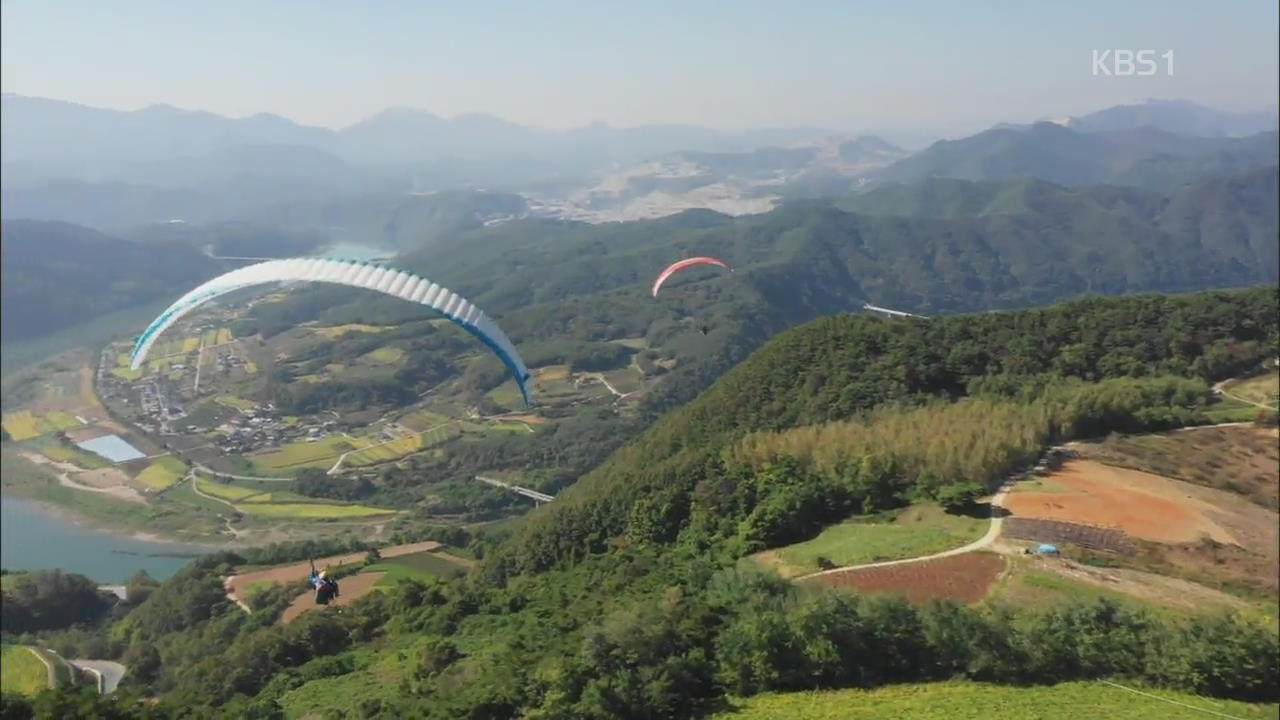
[
  {"x": 1220, "y": 388},
  {"x": 108, "y": 673},
  {"x": 993, "y": 532}
]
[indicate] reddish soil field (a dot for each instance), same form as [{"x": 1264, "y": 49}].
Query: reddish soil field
[
  {"x": 1140, "y": 504},
  {"x": 964, "y": 578},
  {"x": 352, "y": 588},
  {"x": 298, "y": 572}
]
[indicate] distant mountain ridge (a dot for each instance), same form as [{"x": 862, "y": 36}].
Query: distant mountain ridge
[
  {"x": 1145, "y": 157},
  {"x": 51, "y": 139},
  {"x": 1181, "y": 117}
]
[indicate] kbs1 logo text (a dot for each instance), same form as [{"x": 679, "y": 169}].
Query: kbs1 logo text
[{"x": 1123, "y": 63}]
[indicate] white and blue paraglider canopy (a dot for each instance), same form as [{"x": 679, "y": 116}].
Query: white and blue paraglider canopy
[{"x": 386, "y": 280}]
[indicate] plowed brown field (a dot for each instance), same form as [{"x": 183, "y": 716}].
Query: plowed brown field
[
  {"x": 964, "y": 578},
  {"x": 352, "y": 589},
  {"x": 1140, "y": 504}
]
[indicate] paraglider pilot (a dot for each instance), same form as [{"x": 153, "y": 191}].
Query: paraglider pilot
[{"x": 325, "y": 586}]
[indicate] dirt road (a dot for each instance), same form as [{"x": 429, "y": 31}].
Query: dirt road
[{"x": 993, "y": 532}]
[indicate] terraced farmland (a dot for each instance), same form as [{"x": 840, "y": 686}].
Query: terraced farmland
[{"x": 1057, "y": 532}]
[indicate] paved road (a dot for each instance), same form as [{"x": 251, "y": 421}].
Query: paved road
[
  {"x": 107, "y": 672},
  {"x": 993, "y": 532}
]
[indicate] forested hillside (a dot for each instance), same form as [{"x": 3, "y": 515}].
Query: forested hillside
[
  {"x": 622, "y": 599},
  {"x": 56, "y": 275},
  {"x": 938, "y": 247},
  {"x": 837, "y": 367}
]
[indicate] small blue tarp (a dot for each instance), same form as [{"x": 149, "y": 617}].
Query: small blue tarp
[{"x": 1047, "y": 549}]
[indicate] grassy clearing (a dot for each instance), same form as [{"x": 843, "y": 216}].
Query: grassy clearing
[
  {"x": 278, "y": 496},
  {"x": 917, "y": 530},
  {"x": 509, "y": 426},
  {"x": 980, "y": 701},
  {"x": 238, "y": 403},
  {"x": 311, "y": 511},
  {"x": 1263, "y": 389},
  {"x": 224, "y": 491},
  {"x": 189, "y": 345},
  {"x": 162, "y": 473},
  {"x": 183, "y": 496},
  {"x": 62, "y": 420},
  {"x": 507, "y": 395},
  {"x": 129, "y": 374},
  {"x": 1027, "y": 586},
  {"x": 422, "y": 420},
  {"x": 637, "y": 343},
  {"x": 386, "y": 355},
  {"x": 21, "y": 671},
  {"x": 416, "y": 566},
  {"x": 1231, "y": 411},
  {"x": 321, "y": 453},
  {"x": 339, "y": 330}
]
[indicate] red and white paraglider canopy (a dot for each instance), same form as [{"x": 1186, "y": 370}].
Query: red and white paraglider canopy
[{"x": 683, "y": 264}]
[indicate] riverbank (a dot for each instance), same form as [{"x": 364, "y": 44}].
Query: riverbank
[
  {"x": 35, "y": 535},
  {"x": 156, "y": 519}
]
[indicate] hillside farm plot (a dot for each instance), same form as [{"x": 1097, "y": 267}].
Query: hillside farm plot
[
  {"x": 1263, "y": 389},
  {"x": 162, "y": 473},
  {"x": 351, "y": 588},
  {"x": 964, "y": 578},
  {"x": 25, "y": 424},
  {"x": 311, "y": 511},
  {"x": 1140, "y": 504},
  {"x": 1058, "y": 532},
  {"x": 917, "y": 530},
  {"x": 419, "y": 566},
  {"x": 1043, "y": 582},
  {"x": 420, "y": 420},
  {"x": 1236, "y": 458},
  {"x": 400, "y": 447},
  {"x": 22, "y": 671},
  {"x": 384, "y": 356},
  {"x": 224, "y": 491},
  {"x": 961, "y": 700}
]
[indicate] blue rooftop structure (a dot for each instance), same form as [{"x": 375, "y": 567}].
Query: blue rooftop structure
[
  {"x": 1047, "y": 549},
  {"x": 113, "y": 448}
]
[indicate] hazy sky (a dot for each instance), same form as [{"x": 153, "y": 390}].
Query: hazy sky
[{"x": 846, "y": 64}]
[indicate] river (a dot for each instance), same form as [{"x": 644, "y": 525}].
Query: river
[{"x": 33, "y": 538}]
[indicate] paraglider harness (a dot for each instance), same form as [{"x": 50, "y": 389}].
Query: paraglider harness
[{"x": 325, "y": 586}]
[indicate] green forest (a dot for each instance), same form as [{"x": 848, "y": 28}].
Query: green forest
[{"x": 624, "y": 597}]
